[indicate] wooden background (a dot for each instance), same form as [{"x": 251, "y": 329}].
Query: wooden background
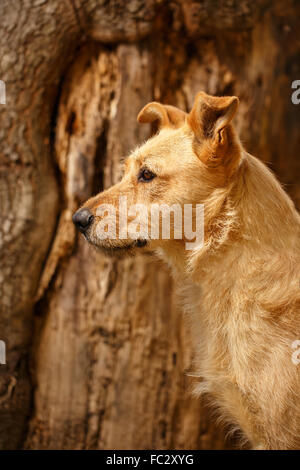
[{"x": 98, "y": 353}]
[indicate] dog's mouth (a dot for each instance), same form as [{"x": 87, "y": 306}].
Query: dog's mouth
[
  {"x": 111, "y": 248},
  {"x": 139, "y": 243}
]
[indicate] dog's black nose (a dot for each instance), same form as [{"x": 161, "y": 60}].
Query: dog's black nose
[{"x": 82, "y": 219}]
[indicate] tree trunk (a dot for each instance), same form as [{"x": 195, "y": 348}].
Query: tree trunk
[{"x": 98, "y": 352}]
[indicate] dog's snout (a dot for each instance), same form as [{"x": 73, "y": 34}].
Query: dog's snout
[{"x": 83, "y": 219}]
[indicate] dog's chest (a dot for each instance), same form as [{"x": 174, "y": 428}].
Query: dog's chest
[{"x": 223, "y": 330}]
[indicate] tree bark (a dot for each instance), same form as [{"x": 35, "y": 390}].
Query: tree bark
[{"x": 98, "y": 352}]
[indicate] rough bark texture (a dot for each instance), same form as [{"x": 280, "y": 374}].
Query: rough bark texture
[{"x": 97, "y": 349}]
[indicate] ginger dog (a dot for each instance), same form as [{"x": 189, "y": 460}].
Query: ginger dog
[{"x": 241, "y": 287}]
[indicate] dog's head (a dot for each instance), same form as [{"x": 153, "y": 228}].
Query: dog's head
[{"x": 190, "y": 157}]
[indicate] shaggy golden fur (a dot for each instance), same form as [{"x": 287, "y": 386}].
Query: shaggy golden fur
[{"x": 241, "y": 289}]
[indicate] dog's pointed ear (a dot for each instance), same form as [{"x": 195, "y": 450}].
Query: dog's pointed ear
[
  {"x": 166, "y": 115},
  {"x": 211, "y": 115}
]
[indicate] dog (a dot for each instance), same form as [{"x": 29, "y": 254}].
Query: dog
[{"x": 241, "y": 286}]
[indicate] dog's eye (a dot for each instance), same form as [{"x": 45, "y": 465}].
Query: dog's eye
[{"x": 145, "y": 175}]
